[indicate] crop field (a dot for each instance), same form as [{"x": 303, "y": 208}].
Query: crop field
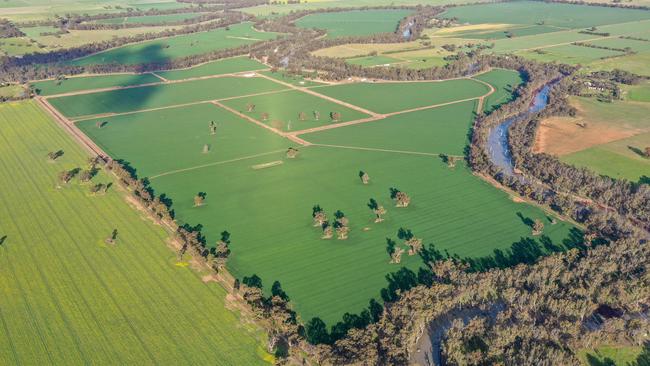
[
  {"x": 396, "y": 96},
  {"x": 355, "y": 22},
  {"x": 373, "y": 60},
  {"x": 11, "y": 91},
  {"x": 226, "y": 66},
  {"x": 283, "y": 110},
  {"x": 571, "y": 54},
  {"x": 150, "y": 19},
  {"x": 504, "y": 82},
  {"x": 265, "y": 199},
  {"x": 157, "y": 96},
  {"x": 161, "y": 50},
  {"x": 69, "y": 298},
  {"x": 74, "y": 84},
  {"x": 639, "y": 93}
]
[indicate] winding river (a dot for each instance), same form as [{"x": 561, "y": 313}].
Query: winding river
[{"x": 429, "y": 352}]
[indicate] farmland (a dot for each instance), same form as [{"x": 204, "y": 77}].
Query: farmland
[
  {"x": 151, "y": 19},
  {"x": 355, "y": 22},
  {"x": 161, "y": 50},
  {"x": 69, "y": 85},
  {"x": 245, "y": 168},
  {"x": 70, "y": 298},
  {"x": 226, "y": 66}
]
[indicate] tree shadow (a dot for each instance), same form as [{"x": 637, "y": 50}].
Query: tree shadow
[
  {"x": 3, "y": 239},
  {"x": 526, "y": 220},
  {"x": 637, "y": 151}
]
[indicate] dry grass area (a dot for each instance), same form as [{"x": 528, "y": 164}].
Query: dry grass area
[
  {"x": 565, "y": 135},
  {"x": 80, "y": 37}
]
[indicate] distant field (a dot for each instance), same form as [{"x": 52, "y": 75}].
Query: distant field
[
  {"x": 372, "y": 60},
  {"x": 161, "y": 50},
  {"x": 68, "y": 298},
  {"x": 264, "y": 199},
  {"x": 284, "y": 109},
  {"x": 433, "y": 131},
  {"x": 617, "y": 354},
  {"x": 505, "y": 82},
  {"x": 392, "y": 97},
  {"x": 50, "y": 87},
  {"x": 150, "y": 19},
  {"x": 226, "y": 66},
  {"x": 354, "y": 23},
  {"x": 571, "y": 54},
  {"x": 533, "y": 12},
  {"x": 155, "y": 96}
]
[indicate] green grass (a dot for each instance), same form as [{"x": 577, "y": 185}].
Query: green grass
[
  {"x": 355, "y": 22},
  {"x": 225, "y": 66},
  {"x": 610, "y": 355},
  {"x": 268, "y": 212},
  {"x": 505, "y": 82},
  {"x": 162, "y": 50},
  {"x": 518, "y": 31},
  {"x": 150, "y": 19},
  {"x": 17, "y": 46},
  {"x": 70, "y": 299},
  {"x": 175, "y": 138},
  {"x": 393, "y": 97},
  {"x": 634, "y": 45},
  {"x": 616, "y": 159},
  {"x": 639, "y": 93},
  {"x": 372, "y": 60},
  {"x": 296, "y": 80},
  {"x": 533, "y": 12},
  {"x": 572, "y": 54},
  {"x": 284, "y": 108},
  {"x": 35, "y": 32},
  {"x": 126, "y": 100},
  {"x": 437, "y": 130},
  {"x": 73, "y": 84},
  {"x": 11, "y": 91}
]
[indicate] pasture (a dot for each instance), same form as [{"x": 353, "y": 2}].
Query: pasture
[
  {"x": 69, "y": 298},
  {"x": 79, "y": 83},
  {"x": 265, "y": 199},
  {"x": 162, "y": 95},
  {"x": 505, "y": 82},
  {"x": 166, "y": 49},
  {"x": 354, "y": 22},
  {"x": 150, "y": 19},
  {"x": 225, "y": 66}
]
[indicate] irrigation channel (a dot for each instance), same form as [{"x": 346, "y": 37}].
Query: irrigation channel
[{"x": 428, "y": 350}]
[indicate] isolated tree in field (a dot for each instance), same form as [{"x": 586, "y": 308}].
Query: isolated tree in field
[
  {"x": 328, "y": 231},
  {"x": 401, "y": 199},
  {"x": 265, "y": 116},
  {"x": 86, "y": 175},
  {"x": 292, "y": 152},
  {"x": 53, "y": 155},
  {"x": 250, "y": 107},
  {"x": 302, "y": 116},
  {"x": 414, "y": 244},
  {"x": 213, "y": 128},
  {"x": 319, "y": 216},
  {"x": 316, "y": 115},
  {"x": 396, "y": 257},
  {"x": 377, "y": 209},
  {"x": 199, "y": 199},
  {"x": 111, "y": 239},
  {"x": 449, "y": 160},
  {"x": 391, "y": 246},
  {"x": 206, "y": 148},
  {"x": 538, "y": 227},
  {"x": 335, "y": 116},
  {"x": 365, "y": 178},
  {"x": 66, "y": 176},
  {"x": 101, "y": 124},
  {"x": 3, "y": 239}
]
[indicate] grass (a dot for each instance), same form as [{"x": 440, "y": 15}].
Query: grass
[
  {"x": 618, "y": 159},
  {"x": 571, "y": 54},
  {"x": 11, "y": 91},
  {"x": 150, "y": 19},
  {"x": 392, "y": 97},
  {"x": 225, "y": 66},
  {"x": 505, "y": 83},
  {"x": 162, "y": 50},
  {"x": 182, "y": 132},
  {"x": 639, "y": 93},
  {"x": 372, "y": 60},
  {"x": 609, "y": 355},
  {"x": 68, "y": 298},
  {"x": 17, "y": 46},
  {"x": 284, "y": 108},
  {"x": 155, "y": 96},
  {"x": 532, "y": 12},
  {"x": 516, "y": 31},
  {"x": 73, "y": 84},
  {"x": 355, "y": 22},
  {"x": 433, "y": 131},
  {"x": 296, "y": 80}
]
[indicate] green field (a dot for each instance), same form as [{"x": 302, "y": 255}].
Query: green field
[
  {"x": 516, "y": 31},
  {"x": 354, "y": 22},
  {"x": 264, "y": 199},
  {"x": 372, "y": 60},
  {"x": 534, "y": 12},
  {"x": 184, "y": 131},
  {"x": 639, "y": 93},
  {"x": 156, "y": 96},
  {"x": 284, "y": 109},
  {"x": 505, "y": 82},
  {"x": 225, "y": 66},
  {"x": 396, "y": 96},
  {"x": 618, "y": 159},
  {"x": 73, "y": 84},
  {"x": 151, "y": 19},
  {"x": 611, "y": 355},
  {"x": 296, "y": 80},
  {"x": 571, "y": 54},
  {"x": 162, "y": 50},
  {"x": 11, "y": 91},
  {"x": 432, "y": 131},
  {"x": 70, "y": 299}
]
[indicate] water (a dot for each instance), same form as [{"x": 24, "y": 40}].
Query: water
[{"x": 498, "y": 147}]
